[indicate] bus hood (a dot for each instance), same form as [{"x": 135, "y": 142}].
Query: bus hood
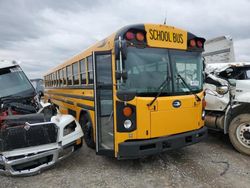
[{"x": 169, "y": 115}]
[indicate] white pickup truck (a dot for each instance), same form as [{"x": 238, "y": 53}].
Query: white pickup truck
[
  {"x": 33, "y": 135},
  {"x": 227, "y": 87}
]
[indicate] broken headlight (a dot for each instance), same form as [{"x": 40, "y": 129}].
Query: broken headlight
[{"x": 69, "y": 128}]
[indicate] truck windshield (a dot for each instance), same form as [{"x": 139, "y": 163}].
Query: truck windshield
[
  {"x": 148, "y": 68},
  {"x": 13, "y": 82}
]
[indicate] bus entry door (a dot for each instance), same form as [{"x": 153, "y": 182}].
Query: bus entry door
[{"x": 103, "y": 103}]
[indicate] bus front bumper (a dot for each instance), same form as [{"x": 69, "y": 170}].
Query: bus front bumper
[{"x": 137, "y": 149}]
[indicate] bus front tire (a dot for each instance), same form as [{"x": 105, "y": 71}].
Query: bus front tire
[
  {"x": 239, "y": 133},
  {"x": 87, "y": 131}
]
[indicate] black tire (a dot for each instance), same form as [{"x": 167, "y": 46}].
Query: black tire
[
  {"x": 239, "y": 133},
  {"x": 87, "y": 131}
]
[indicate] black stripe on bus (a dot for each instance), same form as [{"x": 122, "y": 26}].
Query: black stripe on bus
[
  {"x": 72, "y": 87},
  {"x": 86, "y": 106},
  {"x": 65, "y": 101},
  {"x": 74, "y": 96},
  {"x": 72, "y": 112}
]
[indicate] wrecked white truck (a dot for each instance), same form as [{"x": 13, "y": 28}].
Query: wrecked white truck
[
  {"x": 33, "y": 135},
  {"x": 227, "y": 87}
]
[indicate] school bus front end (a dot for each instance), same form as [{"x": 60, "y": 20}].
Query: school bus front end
[
  {"x": 136, "y": 93},
  {"x": 158, "y": 95}
]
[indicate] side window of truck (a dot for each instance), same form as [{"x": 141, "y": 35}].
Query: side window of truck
[{"x": 248, "y": 74}]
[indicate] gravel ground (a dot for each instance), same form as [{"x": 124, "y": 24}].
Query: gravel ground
[{"x": 212, "y": 163}]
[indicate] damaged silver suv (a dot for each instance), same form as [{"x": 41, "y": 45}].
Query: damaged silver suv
[{"x": 33, "y": 135}]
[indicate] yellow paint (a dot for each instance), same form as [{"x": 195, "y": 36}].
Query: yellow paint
[
  {"x": 166, "y": 37},
  {"x": 78, "y": 141},
  {"x": 165, "y": 120},
  {"x": 168, "y": 120}
]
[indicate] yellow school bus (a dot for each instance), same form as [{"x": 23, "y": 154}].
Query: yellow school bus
[{"x": 136, "y": 93}]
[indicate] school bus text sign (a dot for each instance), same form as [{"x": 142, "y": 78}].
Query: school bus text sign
[{"x": 166, "y": 37}]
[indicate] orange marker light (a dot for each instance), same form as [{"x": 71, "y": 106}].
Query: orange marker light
[
  {"x": 127, "y": 111},
  {"x": 199, "y": 44},
  {"x": 140, "y": 36},
  {"x": 130, "y": 35}
]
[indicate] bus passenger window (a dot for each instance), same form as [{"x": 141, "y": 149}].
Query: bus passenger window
[
  {"x": 69, "y": 75},
  {"x": 50, "y": 80},
  {"x": 60, "y": 77},
  {"x": 83, "y": 71},
  {"x": 57, "y": 78},
  {"x": 64, "y": 76},
  {"x": 54, "y": 79},
  {"x": 75, "y": 74},
  {"x": 46, "y": 81},
  {"x": 248, "y": 74},
  {"x": 90, "y": 70}
]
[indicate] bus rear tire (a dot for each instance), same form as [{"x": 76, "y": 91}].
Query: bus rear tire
[
  {"x": 239, "y": 133},
  {"x": 87, "y": 131}
]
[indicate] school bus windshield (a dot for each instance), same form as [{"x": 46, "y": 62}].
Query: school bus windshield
[{"x": 148, "y": 68}]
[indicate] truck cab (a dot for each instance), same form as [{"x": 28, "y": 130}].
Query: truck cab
[
  {"x": 33, "y": 135},
  {"x": 227, "y": 87}
]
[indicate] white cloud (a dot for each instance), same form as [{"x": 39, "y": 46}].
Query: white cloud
[
  {"x": 45, "y": 33},
  {"x": 242, "y": 49}
]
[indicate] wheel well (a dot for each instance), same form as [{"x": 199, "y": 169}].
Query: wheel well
[
  {"x": 85, "y": 113},
  {"x": 241, "y": 109},
  {"x": 82, "y": 113}
]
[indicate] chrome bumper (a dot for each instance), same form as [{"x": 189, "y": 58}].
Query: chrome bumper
[{"x": 32, "y": 163}]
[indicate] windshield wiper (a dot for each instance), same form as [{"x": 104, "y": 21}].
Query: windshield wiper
[
  {"x": 197, "y": 98},
  {"x": 162, "y": 86}
]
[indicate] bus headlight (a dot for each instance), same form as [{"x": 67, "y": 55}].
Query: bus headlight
[
  {"x": 127, "y": 124},
  {"x": 126, "y": 117}
]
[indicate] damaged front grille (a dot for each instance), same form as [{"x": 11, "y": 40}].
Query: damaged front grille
[
  {"x": 2, "y": 167},
  {"x": 33, "y": 164},
  {"x": 27, "y": 135}
]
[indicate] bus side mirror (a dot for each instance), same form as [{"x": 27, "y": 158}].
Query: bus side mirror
[
  {"x": 120, "y": 49},
  {"x": 123, "y": 75}
]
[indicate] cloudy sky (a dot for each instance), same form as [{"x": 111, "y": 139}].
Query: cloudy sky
[{"x": 43, "y": 33}]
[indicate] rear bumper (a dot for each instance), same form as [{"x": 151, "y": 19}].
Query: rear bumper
[
  {"x": 138, "y": 149},
  {"x": 34, "y": 163}
]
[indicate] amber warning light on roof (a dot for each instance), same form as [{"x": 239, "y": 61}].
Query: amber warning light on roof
[{"x": 166, "y": 37}]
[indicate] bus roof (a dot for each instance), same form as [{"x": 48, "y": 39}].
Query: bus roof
[
  {"x": 101, "y": 45},
  {"x": 107, "y": 43}
]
